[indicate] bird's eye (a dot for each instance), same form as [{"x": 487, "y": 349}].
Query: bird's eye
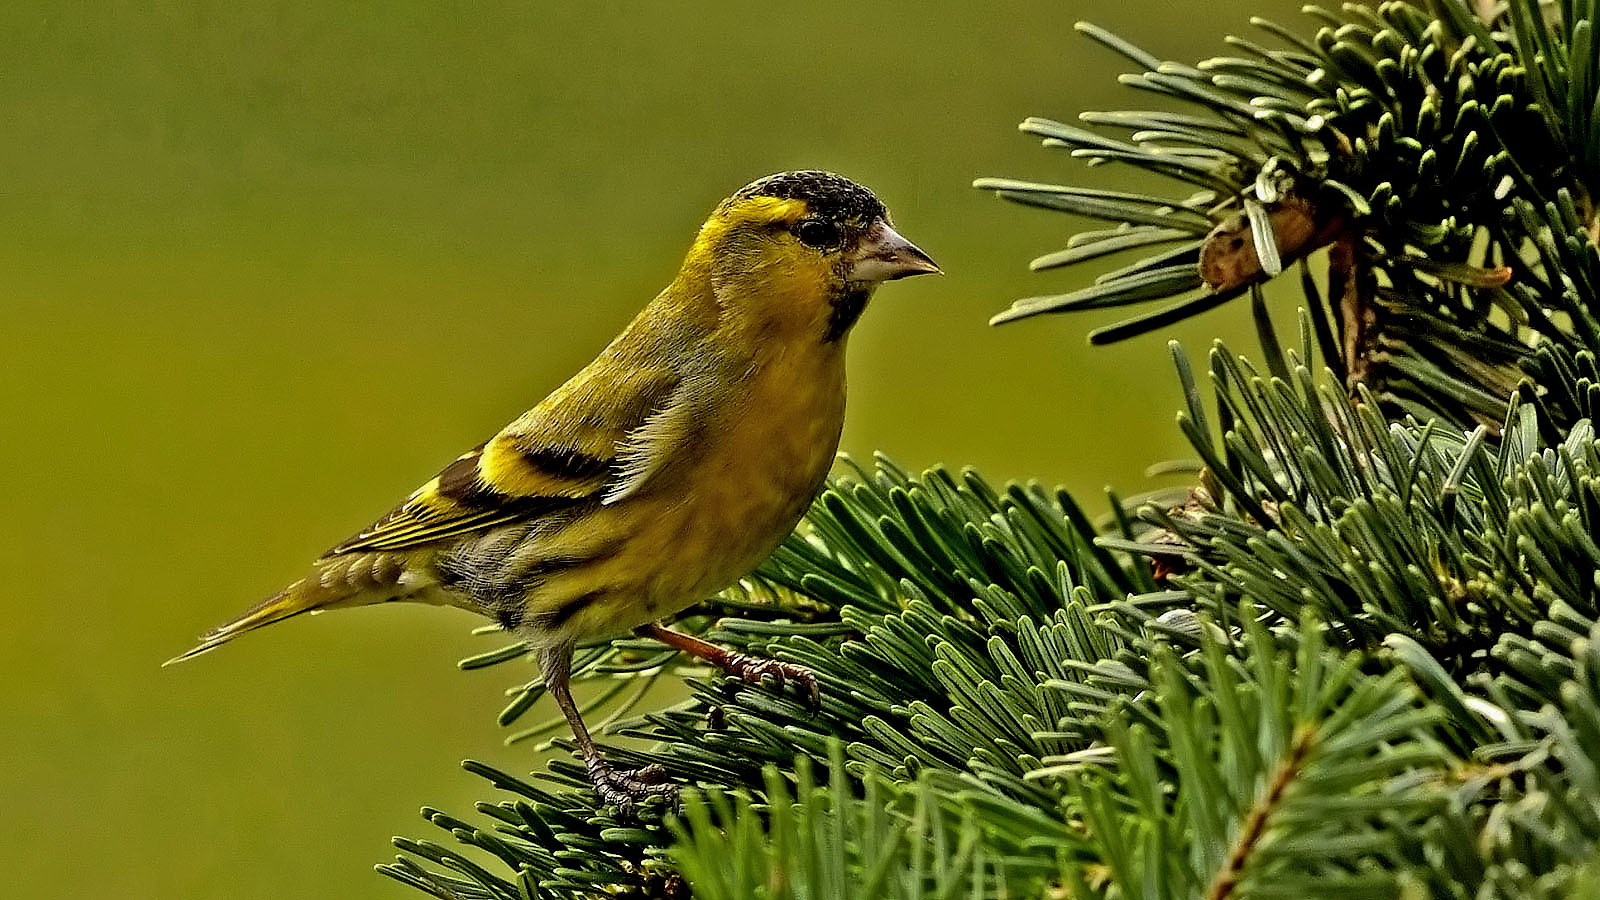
[{"x": 819, "y": 233}]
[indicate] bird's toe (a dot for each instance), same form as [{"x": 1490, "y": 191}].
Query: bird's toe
[
  {"x": 782, "y": 676},
  {"x": 629, "y": 789}
]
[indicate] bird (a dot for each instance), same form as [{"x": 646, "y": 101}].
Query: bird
[{"x": 661, "y": 473}]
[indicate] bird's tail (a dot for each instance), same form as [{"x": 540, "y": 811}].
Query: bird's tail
[{"x": 306, "y": 595}]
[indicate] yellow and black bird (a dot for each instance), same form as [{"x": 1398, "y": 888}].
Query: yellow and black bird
[{"x": 664, "y": 471}]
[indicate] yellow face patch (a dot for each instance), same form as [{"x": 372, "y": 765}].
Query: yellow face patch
[
  {"x": 766, "y": 209},
  {"x": 747, "y": 212}
]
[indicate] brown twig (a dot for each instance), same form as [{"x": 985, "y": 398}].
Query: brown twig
[{"x": 1350, "y": 281}]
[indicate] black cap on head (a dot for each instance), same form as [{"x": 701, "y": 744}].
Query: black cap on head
[{"x": 831, "y": 196}]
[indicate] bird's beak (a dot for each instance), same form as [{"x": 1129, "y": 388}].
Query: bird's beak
[{"x": 883, "y": 255}]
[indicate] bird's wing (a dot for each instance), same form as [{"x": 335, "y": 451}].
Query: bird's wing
[
  {"x": 650, "y": 446},
  {"x": 567, "y": 451}
]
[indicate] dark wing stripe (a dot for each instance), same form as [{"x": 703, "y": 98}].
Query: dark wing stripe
[
  {"x": 460, "y": 478},
  {"x": 567, "y": 464}
]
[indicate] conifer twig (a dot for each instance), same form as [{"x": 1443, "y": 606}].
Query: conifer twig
[{"x": 1227, "y": 878}]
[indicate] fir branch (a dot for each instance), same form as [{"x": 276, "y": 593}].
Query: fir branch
[{"x": 1069, "y": 715}]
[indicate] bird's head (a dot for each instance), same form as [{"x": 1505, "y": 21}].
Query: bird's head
[{"x": 803, "y": 250}]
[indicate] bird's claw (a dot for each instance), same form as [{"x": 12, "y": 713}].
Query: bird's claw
[
  {"x": 778, "y": 676},
  {"x": 626, "y": 789}
]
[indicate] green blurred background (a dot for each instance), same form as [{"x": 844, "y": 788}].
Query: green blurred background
[{"x": 265, "y": 266}]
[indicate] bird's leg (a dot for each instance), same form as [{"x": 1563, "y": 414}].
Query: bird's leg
[
  {"x": 752, "y": 669},
  {"x": 622, "y": 788}
]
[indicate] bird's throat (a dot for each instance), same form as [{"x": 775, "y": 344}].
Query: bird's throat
[{"x": 844, "y": 309}]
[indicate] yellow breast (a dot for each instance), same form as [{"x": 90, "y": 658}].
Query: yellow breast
[{"x": 723, "y": 505}]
